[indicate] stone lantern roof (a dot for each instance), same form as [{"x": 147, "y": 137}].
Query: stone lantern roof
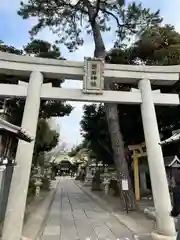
[{"x": 13, "y": 130}]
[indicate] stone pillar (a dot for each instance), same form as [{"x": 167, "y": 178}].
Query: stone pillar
[
  {"x": 165, "y": 223},
  {"x": 14, "y": 217},
  {"x": 143, "y": 184},
  {"x": 2, "y": 176},
  {"x": 7, "y": 182}
]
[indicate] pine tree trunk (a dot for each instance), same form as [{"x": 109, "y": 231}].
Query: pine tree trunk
[
  {"x": 119, "y": 156},
  {"x": 113, "y": 123}
]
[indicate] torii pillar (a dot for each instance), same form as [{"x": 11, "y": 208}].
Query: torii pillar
[
  {"x": 15, "y": 210},
  {"x": 161, "y": 196}
]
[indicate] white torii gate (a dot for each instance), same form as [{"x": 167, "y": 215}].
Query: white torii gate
[{"x": 35, "y": 69}]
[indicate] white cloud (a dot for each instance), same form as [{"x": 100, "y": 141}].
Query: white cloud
[
  {"x": 8, "y": 5},
  {"x": 70, "y": 127},
  {"x": 3, "y": 5}
]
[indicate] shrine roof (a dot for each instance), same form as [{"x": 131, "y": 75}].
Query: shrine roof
[
  {"x": 13, "y": 130},
  {"x": 169, "y": 161}
]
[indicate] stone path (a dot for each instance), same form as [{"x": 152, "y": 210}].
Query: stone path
[{"x": 75, "y": 216}]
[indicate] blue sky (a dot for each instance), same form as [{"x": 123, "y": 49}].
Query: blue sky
[{"x": 14, "y": 31}]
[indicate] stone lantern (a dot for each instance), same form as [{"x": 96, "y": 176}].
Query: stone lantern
[
  {"x": 38, "y": 180},
  {"x": 106, "y": 180},
  {"x": 48, "y": 170}
]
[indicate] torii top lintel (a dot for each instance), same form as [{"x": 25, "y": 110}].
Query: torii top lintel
[{"x": 11, "y": 64}]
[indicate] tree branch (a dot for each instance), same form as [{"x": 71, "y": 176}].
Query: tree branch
[
  {"x": 113, "y": 15},
  {"x": 89, "y": 7},
  {"x": 128, "y": 26},
  {"x": 96, "y": 9},
  {"x": 76, "y": 6}
]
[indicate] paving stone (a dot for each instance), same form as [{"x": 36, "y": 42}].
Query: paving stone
[
  {"x": 119, "y": 230},
  {"x": 53, "y": 220},
  {"x": 50, "y": 237},
  {"x": 52, "y": 230},
  {"x": 75, "y": 216},
  {"x": 83, "y": 226},
  {"x": 141, "y": 236}
]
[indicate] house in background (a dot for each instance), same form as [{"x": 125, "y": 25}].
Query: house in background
[
  {"x": 142, "y": 182},
  {"x": 174, "y": 162},
  {"x": 172, "y": 165},
  {"x": 8, "y": 132}
]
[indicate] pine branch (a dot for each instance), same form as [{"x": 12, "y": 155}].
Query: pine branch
[
  {"x": 96, "y": 9},
  {"x": 113, "y": 15}
]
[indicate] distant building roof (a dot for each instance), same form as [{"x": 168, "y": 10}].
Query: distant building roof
[
  {"x": 171, "y": 161},
  {"x": 63, "y": 156},
  {"x": 174, "y": 138},
  {"x": 14, "y": 130}
]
